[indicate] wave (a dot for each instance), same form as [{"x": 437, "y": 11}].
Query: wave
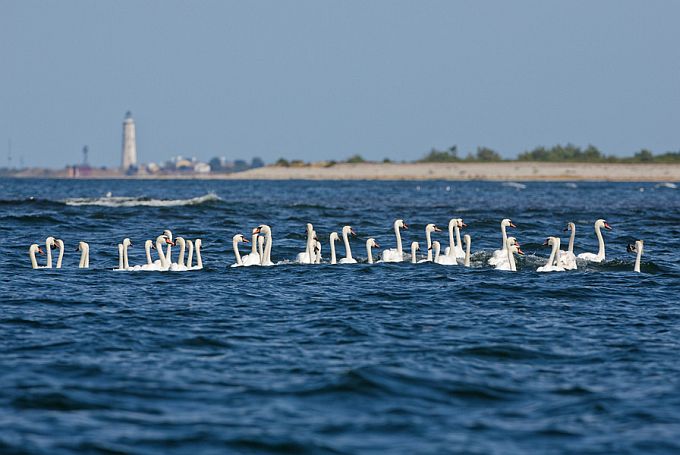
[{"x": 124, "y": 201}]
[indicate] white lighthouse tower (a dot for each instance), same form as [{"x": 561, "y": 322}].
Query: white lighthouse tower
[{"x": 129, "y": 158}]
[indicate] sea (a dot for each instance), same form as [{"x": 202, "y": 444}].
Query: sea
[{"x": 395, "y": 358}]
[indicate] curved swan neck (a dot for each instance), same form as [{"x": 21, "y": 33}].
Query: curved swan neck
[
  {"x": 180, "y": 258},
  {"x": 600, "y": 241},
  {"x": 369, "y": 253},
  {"x": 147, "y": 250},
  {"x": 333, "y": 258},
  {"x": 34, "y": 262},
  {"x": 237, "y": 253},
  {"x": 553, "y": 252},
  {"x": 345, "y": 239},
  {"x": 161, "y": 254},
  {"x": 60, "y": 244},
  {"x": 459, "y": 244},
  {"x": 48, "y": 250}
]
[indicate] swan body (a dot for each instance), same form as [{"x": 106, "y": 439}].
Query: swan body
[
  {"x": 414, "y": 248},
  {"x": 238, "y": 238},
  {"x": 501, "y": 255},
  {"x": 600, "y": 256},
  {"x": 84, "y": 249},
  {"x": 333, "y": 237},
  {"x": 370, "y": 244},
  {"x": 550, "y": 265},
  {"x": 395, "y": 254},
  {"x": 567, "y": 259},
  {"x": 449, "y": 256},
  {"x": 638, "y": 248},
  {"x": 35, "y": 248},
  {"x": 253, "y": 258},
  {"x": 348, "y": 259}
]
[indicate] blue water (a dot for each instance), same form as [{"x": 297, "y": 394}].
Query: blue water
[{"x": 383, "y": 358}]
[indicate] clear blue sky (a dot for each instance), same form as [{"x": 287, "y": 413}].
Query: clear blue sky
[{"x": 327, "y": 79}]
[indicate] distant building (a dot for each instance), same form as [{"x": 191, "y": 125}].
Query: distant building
[{"x": 129, "y": 159}]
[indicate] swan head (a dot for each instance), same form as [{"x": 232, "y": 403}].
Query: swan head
[
  {"x": 432, "y": 228},
  {"x": 371, "y": 243},
  {"x": 198, "y": 243},
  {"x": 149, "y": 244},
  {"x": 334, "y": 236},
  {"x": 461, "y": 224},
  {"x": 310, "y": 228},
  {"x": 60, "y": 243},
  {"x": 180, "y": 241},
  {"x": 82, "y": 246},
  {"x": 400, "y": 224},
  {"x": 240, "y": 238},
  {"x": 512, "y": 241},
  {"x": 35, "y": 248},
  {"x": 51, "y": 242},
  {"x": 550, "y": 241},
  {"x": 436, "y": 247},
  {"x": 347, "y": 230},
  {"x": 507, "y": 222},
  {"x": 168, "y": 234},
  {"x": 635, "y": 247},
  {"x": 415, "y": 246},
  {"x": 570, "y": 227},
  {"x": 602, "y": 224},
  {"x": 127, "y": 242},
  {"x": 516, "y": 249}
]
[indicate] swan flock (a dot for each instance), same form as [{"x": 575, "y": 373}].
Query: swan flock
[{"x": 457, "y": 253}]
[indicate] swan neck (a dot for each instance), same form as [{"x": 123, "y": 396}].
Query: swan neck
[
  {"x": 61, "y": 256},
  {"x": 161, "y": 254},
  {"x": 180, "y": 259},
  {"x": 237, "y": 253},
  {"x": 333, "y": 258},
  {"x": 126, "y": 263},
  {"x": 571, "y": 240},
  {"x": 638, "y": 258},
  {"x": 253, "y": 249},
  {"x": 458, "y": 242},
  {"x": 147, "y": 250},
  {"x": 121, "y": 261},
  {"x": 398, "y": 235},
  {"x": 429, "y": 245},
  {"x": 199, "y": 259},
  {"x": 348, "y": 250},
  {"x": 467, "y": 255},
  {"x": 34, "y": 262},
  {"x": 600, "y": 241},
  {"x": 369, "y": 254},
  {"x": 505, "y": 235},
  {"x": 452, "y": 243},
  {"x": 49, "y": 255}
]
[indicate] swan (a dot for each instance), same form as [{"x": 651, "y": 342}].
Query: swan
[
  {"x": 414, "y": 247},
  {"x": 123, "y": 263},
  {"x": 267, "y": 258},
  {"x": 599, "y": 257},
  {"x": 501, "y": 255},
  {"x": 371, "y": 243},
  {"x": 567, "y": 259},
  {"x": 348, "y": 259},
  {"x": 253, "y": 258},
  {"x": 455, "y": 250},
  {"x": 550, "y": 264},
  {"x": 637, "y": 247},
  {"x": 436, "y": 247},
  {"x": 50, "y": 244},
  {"x": 429, "y": 229},
  {"x": 395, "y": 255},
  {"x": 148, "y": 246},
  {"x": 164, "y": 262},
  {"x": 238, "y": 238},
  {"x": 35, "y": 248},
  {"x": 168, "y": 234},
  {"x": 198, "y": 243},
  {"x": 333, "y": 237},
  {"x": 84, "y": 249},
  {"x": 468, "y": 243},
  {"x": 180, "y": 265},
  {"x": 60, "y": 245},
  {"x": 511, "y": 247},
  {"x": 306, "y": 257}
]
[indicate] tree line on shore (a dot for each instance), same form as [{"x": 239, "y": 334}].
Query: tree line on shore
[{"x": 568, "y": 153}]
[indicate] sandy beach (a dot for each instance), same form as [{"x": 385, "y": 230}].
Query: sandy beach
[{"x": 470, "y": 171}]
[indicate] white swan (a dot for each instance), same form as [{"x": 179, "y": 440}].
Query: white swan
[
  {"x": 348, "y": 259},
  {"x": 511, "y": 247},
  {"x": 164, "y": 262},
  {"x": 395, "y": 254},
  {"x": 123, "y": 262},
  {"x": 455, "y": 250},
  {"x": 599, "y": 257},
  {"x": 180, "y": 265},
  {"x": 414, "y": 247},
  {"x": 35, "y": 248},
  {"x": 84, "y": 249},
  {"x": 238, "y": 238},
  {"x": 149, "y": 265},
  {"x": 60, "y": 245},
  {"x": 267, "y": 231},
  {"x": 306, "y": 257},
  {"x": 253, "y": 258},
  {"x": 638, "y": 248},
  {"x": 429, "y": 229},
  {"x": 468, "y": 243},
  {"x": 190, "y": 253},
  {"x": 332, "y": 238},
  {"x": 50, "y": 244},
  {"x": 198, "y": 243},
  {"x": 567, "y": 259},
  {"x": 168, "y": 234},
  {"x": 501, "y": 255},
  {"x": 550, "y": 265},
  {"x": 370, "y": 243}
]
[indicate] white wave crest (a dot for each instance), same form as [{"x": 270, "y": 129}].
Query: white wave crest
[{"x": 124, "y": 201}]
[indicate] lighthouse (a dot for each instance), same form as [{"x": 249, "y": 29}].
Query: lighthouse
[{"x": 129, "y": 158}]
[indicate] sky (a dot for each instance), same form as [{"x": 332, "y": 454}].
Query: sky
[{"x": 324, "y": 79}]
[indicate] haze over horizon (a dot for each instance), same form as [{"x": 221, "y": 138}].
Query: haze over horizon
[{"x": 325, "y": 80}]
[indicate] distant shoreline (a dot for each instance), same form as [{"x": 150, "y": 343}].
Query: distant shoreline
[{"x": 456, "y": 171}]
